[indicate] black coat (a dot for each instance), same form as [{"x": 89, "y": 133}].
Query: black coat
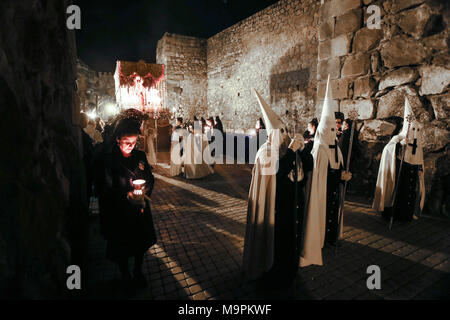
[
  {"x": 288, "y": 221},
  {"x": 127, "y": 226}
]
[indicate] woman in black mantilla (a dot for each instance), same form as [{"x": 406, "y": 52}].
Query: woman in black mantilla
[{"x": 126, "y": 223}]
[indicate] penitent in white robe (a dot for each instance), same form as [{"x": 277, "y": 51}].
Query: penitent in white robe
[
  {"x": 315, "y": 224},
  {"x": 387, "y": 175},
  {"x": 259, "y": 234}
]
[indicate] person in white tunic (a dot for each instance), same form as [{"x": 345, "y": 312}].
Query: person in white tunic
[{"x": 321, "y": 223}]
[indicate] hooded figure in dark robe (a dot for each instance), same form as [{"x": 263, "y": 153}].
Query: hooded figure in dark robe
[
  {"x": 410, "y": 198},
  {"x": 273, "y": 230},
  {"x": 321, "y": 221}
]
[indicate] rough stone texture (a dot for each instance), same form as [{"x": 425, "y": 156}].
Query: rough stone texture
[
  {"x": 441, "y": 106},
  {"x": 336, "y": 47},
  {"x": 337, "y": 8},
  {"x": 376, "y": 130},
  {"x": 416, "y": 21},
  {"x": 398, "y": 77},
  {"x": 436, "y": 136},
  {"x": 273, "y": 51},
  {"x": 364, "y": 87},
  {"x": 95, "y": 89},
  {"x": 434, "y": 79},
  {"x": 392, "y": 104},
  {"x": 42, "y": 183},
  {"x": 330, "y": 67},
  {"x": 287, "y": 51},
  {"x": 393, "y": 52},
  {"x": 326, "y": 29},
  {"x": 186, "y": 80},
  {"x": 339, "y": 89},
  {"x": 356, "y": 65},
  {"x": 365, "y": 108},
  {"x": 366, "y": 39},
  {"x": 375, "y": 62},
  {"x": 398, "y": 5},
  {"x": 348, "y": 22}
]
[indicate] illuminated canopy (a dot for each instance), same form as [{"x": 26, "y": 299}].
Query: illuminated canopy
[{"x": 139, "y": 85}]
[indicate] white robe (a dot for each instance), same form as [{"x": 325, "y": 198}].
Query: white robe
[
  {"x": 387, "y": 175},
  {"x": 315, "y": 219},
  {"x": 259, "y": 233},
  {"x": 194, "y": 165}
]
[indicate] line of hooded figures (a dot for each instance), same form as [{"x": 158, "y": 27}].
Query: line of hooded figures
[{"x": 296, "y": 196}]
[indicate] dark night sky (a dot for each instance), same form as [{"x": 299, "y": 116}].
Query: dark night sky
[{"x": 129, "y": 30}]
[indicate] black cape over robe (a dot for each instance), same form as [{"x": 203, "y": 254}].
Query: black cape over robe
[
  {"x": 406, "y": 202},
  {"x": 288, "y": 222},
  {"x": 127, "y": 226}
]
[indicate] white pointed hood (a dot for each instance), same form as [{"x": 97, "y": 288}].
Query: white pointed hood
[
  {"x": 326, "y": 131},
  {"x": 414, "y": 150},
  {"x": 271, "y": 119},
  {"x": 276, "y": 129}
]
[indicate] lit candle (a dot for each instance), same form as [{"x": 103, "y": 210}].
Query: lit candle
[{"x": 138, "y": 188}]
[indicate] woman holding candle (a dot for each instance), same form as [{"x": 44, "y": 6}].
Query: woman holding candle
[{"x": 126, "y": 218}]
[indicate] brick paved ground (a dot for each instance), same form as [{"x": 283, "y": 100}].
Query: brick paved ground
[{"x": 201, "y": 225}]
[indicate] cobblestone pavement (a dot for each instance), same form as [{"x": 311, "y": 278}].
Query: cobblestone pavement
[{"x": 201, "y": 226}]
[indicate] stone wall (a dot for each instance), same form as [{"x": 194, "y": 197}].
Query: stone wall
[
  {"x": 95, "y": 89},
  {"x": 373, "y": 70},
  {"x": 273, "y": 51},
  {"x": 42, "y": 192},
  {"x": 185, "y": 67},
  {"x": 287, "y": 51}
]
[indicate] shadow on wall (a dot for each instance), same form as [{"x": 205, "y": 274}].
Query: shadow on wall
[{"x": 292, "y": 88}]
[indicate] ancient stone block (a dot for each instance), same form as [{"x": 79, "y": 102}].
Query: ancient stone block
[
  {"x": 398, "y": 77},
  {"x": 392, "y": 104},
  {"x": 337, "y": 8},
  {"x": 441, "y": 106},
  {"x": 434, "y": 79},
  {"x": 365, "y": 108},
  {"x": 437, "y": 43},
  {"x": 376, "y": 130},
  {"x": 366, "y": 39},
  {"x": 398, "y": 5},
  {"x": 435, "y": 136},
  {"x": 326, "y": 29},
  {"x": 330, "y": 67},
  {"x": 338, "y": 89},
  {"x": 415, "y": 21},
  {"x": 356, "y": 65},
  {"x": 402, "y": 51},
  {"x": 348, "y": 22},
  {"x": 336, "y": 47},
  {"x": 363, "y": 87}
]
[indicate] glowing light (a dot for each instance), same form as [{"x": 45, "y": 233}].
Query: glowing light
[
  {"x": 138, "y": 186},
  {"x": 154, "y": 96},
  {"x": 111, "y": 109},
  {"x": 92, "y": 114}
]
